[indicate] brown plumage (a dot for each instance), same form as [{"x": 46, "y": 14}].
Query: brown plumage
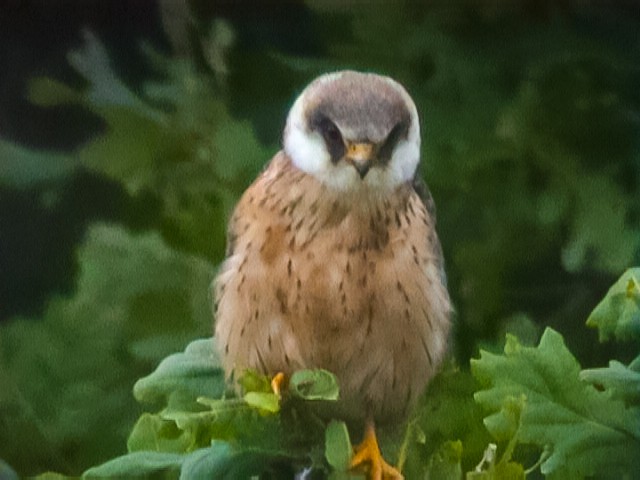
[{"x": 333, "y": 259}]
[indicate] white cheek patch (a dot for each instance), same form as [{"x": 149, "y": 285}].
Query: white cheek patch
[
  {"x": 307, "y": 152},
  {"x": 400, "y": 169},
  {"x": 404, "y": 161}
]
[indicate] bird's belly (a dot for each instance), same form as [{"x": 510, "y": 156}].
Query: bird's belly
[{"x": 375, "y": 318}]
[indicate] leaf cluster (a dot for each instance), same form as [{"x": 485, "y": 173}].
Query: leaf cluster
[
  {"x": 70, "y": 375},
  {"x": 586, "y": 423},
  {"x": 204, "y": 431},
  {"x": 581, "y": 423}
]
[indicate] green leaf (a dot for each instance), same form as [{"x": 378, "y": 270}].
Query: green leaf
[
  {"x": 445, "y": 463},
  {"x": 584, "y": 429},
  {"x": 253, "y": 381},
  {"x": 224, "y": 462},
  {"x": 509, "y": 471},
  {"x": 600, "y": 225},
  {"x": 139, "y": 465},
  {"x": 620, "y": 381},
  {"x": 47, "y": 92},
  {"x": 314, "y": 385},
  {"x": 446, "y": 411},
  {"x": 165, "y": 295},
  {"x": 501, "y": 471},
  {"x": 131, "y": 150},
  {"x": 23, "y": 168},
  {"x": 618, "y": 314},
  {"x": 156, "y": 434},
  {"x": 48, "y": 476},
  {"x": 269, "y": 402},
  {"x": 106, "y": 89},
  {"x": 336, "y": 475},
  {"x": 186, "y": 376},
  {"x": 505, "y": 423},
  {"x": 337, "y": 446},
  {"x": 230, "y": 420},
  {"x": 236, "y": 139},
  {"x": 6, "y": 472}
]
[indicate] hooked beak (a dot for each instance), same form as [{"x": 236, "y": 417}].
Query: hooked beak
[{"x": 360, "y": 155}]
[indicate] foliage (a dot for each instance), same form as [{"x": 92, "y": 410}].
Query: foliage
[
  {"x": 618, "y": 314},
  {"x": 538, "y": 398},
  {"x": 56, "y": 373},
  {"x": 198, "y": 434},
  {"x": 201, "y": 431},
  {"x": 531, "y": 151},
  {"x": 535, "y": 396},
  {"x": 587, "y": 423},
  {"x": 174, "y": 143}
]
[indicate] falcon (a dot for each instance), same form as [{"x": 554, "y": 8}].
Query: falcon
[{"x": 333, "y": 260}]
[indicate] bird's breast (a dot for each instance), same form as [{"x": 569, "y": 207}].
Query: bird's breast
[{"x": 313, "y": 283}]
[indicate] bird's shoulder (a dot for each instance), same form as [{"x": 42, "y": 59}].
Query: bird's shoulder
[{"x": 422, "y": 190}]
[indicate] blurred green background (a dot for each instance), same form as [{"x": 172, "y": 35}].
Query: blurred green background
[{"x": 129, "y": 129}]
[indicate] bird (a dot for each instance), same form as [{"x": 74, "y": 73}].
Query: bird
[{"x": 333, "y": 260}]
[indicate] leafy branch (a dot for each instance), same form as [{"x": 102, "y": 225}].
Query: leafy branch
[{"x": 585, "y": 422}]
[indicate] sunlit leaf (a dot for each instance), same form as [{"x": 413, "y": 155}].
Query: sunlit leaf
[
  {"x": 618, "y": 314},
  {"x": 337, "y": 447},
  {"x": 253, "y": 381},
  {"x": 269, "y": 402},
  {"x": 314, "y": 385}
]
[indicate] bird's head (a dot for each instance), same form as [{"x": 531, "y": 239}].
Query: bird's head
[{"x": 351, "y": 130}]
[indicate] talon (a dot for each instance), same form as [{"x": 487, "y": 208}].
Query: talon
[
  {"x": 368, "y": 452},
  {"x": 278, "y": 382}
]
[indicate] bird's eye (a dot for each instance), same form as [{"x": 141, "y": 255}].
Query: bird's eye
[
  {"x": 329, "y": 131},
  {"x": 332, "y": 137},
  {"x": 399, "y": 131}
]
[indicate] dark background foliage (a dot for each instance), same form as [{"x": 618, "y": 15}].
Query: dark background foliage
[{"x": 123, "y": 172}]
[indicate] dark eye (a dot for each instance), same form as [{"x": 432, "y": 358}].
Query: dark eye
[
  {"x": 330, "y": 132},
  {"x": 332, "y": 137},
  {"x": 399, "y": 131}
]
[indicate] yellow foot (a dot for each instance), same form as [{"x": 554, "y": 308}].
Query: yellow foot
[
  {"x": 278, "y": 383},
  {"x": 368, "y": 453}
]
